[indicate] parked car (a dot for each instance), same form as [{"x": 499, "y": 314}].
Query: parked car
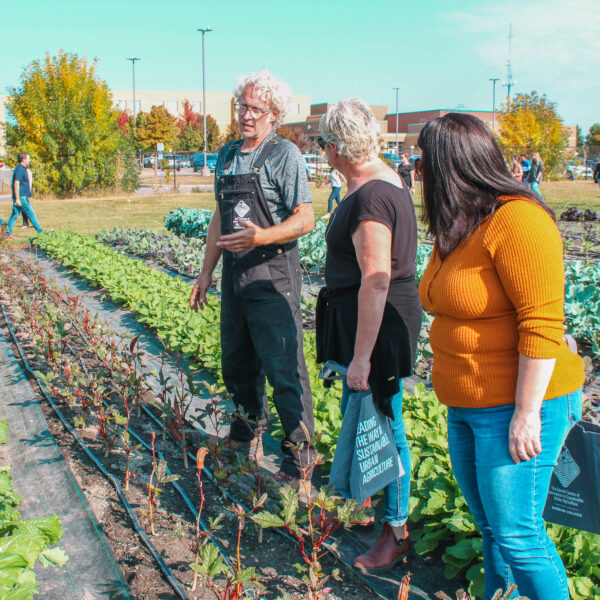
[
  {"x": 172, "y": 162},
  {"x": 149, "y": 161},
  {"x": 184, "y": 161},
  {"x": 391, "y": 158},
  {"x": 211, "y": 162}
]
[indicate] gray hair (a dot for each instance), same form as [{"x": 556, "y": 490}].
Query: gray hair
[
  {"x": 273, "y": 90},
  {"x": 351, "y": 127}
]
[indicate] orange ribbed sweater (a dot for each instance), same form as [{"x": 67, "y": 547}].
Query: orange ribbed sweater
[{"x": 499, "y": 293}]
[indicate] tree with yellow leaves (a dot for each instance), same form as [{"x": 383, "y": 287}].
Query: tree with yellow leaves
[
  {"x": 63, "y": 116},
  {"x": 528, "y": 123},
  {"x": 157, "y": 126}
]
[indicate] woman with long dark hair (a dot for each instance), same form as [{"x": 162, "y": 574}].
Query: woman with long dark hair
[{"x": 512, "y": 386}]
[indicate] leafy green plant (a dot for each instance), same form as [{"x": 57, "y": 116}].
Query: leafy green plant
[
  {"x": 443, "y": 522},
  {"x": 23, "y": 542}
]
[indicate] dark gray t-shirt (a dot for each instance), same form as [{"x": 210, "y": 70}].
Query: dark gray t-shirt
[{"x": 283, "y": 178}]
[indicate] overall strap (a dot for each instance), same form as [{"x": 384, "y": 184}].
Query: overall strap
[
  {"x": 264, "y": 154},
  {"x": 231, "y": 154}
]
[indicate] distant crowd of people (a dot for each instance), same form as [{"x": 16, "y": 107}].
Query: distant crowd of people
[{"x": 529, "y": 172}]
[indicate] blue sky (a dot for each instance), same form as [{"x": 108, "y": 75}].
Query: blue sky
[{"x": 441, "y": 53}]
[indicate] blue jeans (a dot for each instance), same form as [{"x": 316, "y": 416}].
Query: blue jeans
[
  {"x": 27, "y": 209},
  {"x": 534, "y": 186},
  {"x": 507, "y": 499},
  {"x": 396, "y": 496},
  {"x": 335, "y": 195}
]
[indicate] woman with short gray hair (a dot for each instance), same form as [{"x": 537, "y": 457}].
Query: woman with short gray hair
[{"x": 368, "y": 313}]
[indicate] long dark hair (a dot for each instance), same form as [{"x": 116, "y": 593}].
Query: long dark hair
[{"x": 463, "y": 173}]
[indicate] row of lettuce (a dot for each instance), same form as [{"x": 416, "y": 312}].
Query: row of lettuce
[
  {"x": 438, "y": 509},
  {"x": 23, "y": 542}
]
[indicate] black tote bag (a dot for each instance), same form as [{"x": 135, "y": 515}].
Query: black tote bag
[{"x": 574, "y": 494}]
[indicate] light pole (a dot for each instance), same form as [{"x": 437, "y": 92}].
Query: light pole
[
  {"x": 493, "y": 80},
  {"x": 133, "y": 59},
  {"x": 205, "y": 171},
  {"x": 397, "y": 153}
]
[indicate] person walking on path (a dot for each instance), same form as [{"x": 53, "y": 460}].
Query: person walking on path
[
  {"x": 263, "y": 207},
  {"x": 368, "y": 314},
  {"x": 26, "y": 222},
  {"x": 21, "y": 194},
  {"x": 335, "y": 179},
  {"x": 535, "y": 173},
  {"x": 517, "y": 170},
  {"x": 512, "y": 385},
  {"x": 406, "y": 170},
  {"x": 525, "y": 167}
]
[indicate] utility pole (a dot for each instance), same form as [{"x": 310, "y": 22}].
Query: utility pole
[
  {"x": 205, "y": 170},
  {"x": 397, "y": 153},
  {"x": 133, "y": 59},
  {"x": 493, "y": 80},
  {"x": 510, "y": 82}
]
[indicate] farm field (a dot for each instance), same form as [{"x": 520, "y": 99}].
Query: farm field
[
  {"x": 89, "y": 215},
  {"x": 176, "y": 401}
]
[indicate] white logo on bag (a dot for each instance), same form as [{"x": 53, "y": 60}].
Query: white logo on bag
[
  {"x": 566, "y": 469},
  {"x": 242, "y": 209}
]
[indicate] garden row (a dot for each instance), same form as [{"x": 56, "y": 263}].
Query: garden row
[
  {"x": 438, "y": 508},
  {"x": 23, "y": 542},
  {"x": 96, "y": 383},
  {"x": 192, "y": 223}
]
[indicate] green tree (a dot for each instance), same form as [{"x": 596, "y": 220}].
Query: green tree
[
  {"x": 529, "y": 122},
  {"x": 64, "y": 118},
  {"x": 191, "y": 130},
  {"x": 592, "y": 139},
  {"x": 580, "y": 138},
  {"x": 157, "y": 126}
]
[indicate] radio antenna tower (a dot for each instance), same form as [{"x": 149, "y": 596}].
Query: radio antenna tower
[{"x": 510, "y": 82}]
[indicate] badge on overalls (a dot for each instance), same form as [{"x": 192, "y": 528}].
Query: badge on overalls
[{"x": 241, "y": 212}]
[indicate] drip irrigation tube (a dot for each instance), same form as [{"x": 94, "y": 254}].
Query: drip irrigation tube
[
  {"x": 235, "y": 500},
  {"x": 173, "y": 582},
  {"x": 282, "y": 532}
]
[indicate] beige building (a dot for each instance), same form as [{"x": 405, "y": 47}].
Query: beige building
[{"x": 218, "y": 104}]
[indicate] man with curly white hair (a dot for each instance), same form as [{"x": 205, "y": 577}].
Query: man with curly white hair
[{"x": 263, "y": 207}]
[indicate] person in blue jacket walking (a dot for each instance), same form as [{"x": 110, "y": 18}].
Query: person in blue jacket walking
[{"x": 21, "y": 194}]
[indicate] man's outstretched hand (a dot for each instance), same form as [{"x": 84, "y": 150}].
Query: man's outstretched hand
[{"x": 249, "y": 237}]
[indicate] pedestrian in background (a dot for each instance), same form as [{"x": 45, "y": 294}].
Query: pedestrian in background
[
  {"x": 517, "y": 170},
  {"x": 535, "y": 173},
  {"x": 525, "y": 167},
  {"x": 21, "y": 194},
  {"x": 406, "y": 170},
  {"x": 335, "y": 178}
]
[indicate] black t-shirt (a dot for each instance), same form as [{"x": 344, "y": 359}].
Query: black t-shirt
[
  {"x": 379, "y": 201},
  {"x": 404, "y": 172}
]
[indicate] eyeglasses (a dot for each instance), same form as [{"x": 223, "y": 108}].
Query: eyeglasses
[
  {"x": 322, "y": 143},
  {"x": 255, "y": 113}
]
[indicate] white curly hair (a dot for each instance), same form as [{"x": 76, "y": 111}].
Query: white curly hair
[
  {"x": 271, "y": 89},
  {"x": 351, "y": 127}
]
